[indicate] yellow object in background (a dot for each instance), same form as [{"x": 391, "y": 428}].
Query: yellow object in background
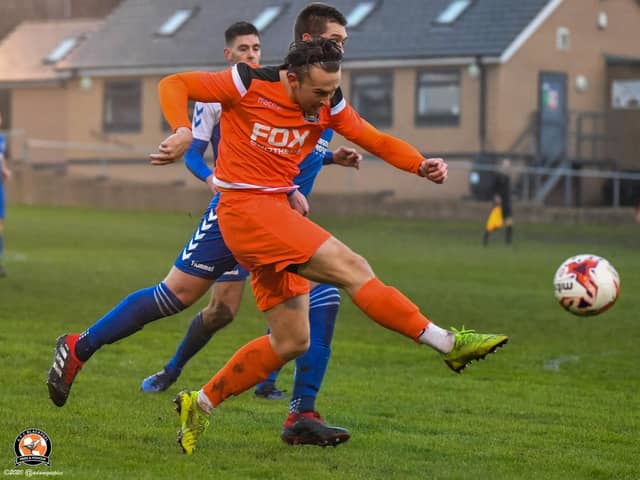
[{"x": 495, "y": 220}]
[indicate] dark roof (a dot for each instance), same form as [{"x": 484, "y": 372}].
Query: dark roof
[
  {"x": 396, "y": 29},
  {"x": 406, "y": 29}
]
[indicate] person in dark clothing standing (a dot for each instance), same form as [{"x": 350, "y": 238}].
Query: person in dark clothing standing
[{"x": 501, "y": 215}]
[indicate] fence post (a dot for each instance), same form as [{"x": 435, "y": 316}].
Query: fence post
[
  {"x": 568, "y": 184},
  {"x": 104, "y": 169},
  {"x": 526, "y": 186},
  {"x": 616, "y": 191}
]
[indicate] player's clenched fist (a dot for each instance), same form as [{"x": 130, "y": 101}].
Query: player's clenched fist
[
  {"x": 173, "y": 147},
  {"x": 435, "y": 169}
]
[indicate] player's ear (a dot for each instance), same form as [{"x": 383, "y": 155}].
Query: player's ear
[
  {"x": 305, "y": 37},
  {"x": 292, "y": 78},
  {"x": 227, "y": 55}
]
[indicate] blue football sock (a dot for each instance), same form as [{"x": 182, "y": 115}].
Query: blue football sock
[
  {"x": 271, "y": 379},
  {"x": 196, "y": 337},
  {"x": 311, "y": 367},
  {"x": 129, "y": 316}
]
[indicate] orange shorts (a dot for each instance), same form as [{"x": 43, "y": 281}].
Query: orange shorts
[{"x": 266, "y": 236}]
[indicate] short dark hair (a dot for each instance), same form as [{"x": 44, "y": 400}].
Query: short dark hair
[
  {"x": 321, "y": 52},
  {"x": 313, "y": 20},
  {"x": 237, "y": 29}
]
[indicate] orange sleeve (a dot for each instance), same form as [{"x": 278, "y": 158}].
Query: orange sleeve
[
  {"x": 356, "y": 129},
  {"x": 176, "y": 90}
]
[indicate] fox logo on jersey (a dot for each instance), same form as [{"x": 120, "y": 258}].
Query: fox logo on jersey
[
  {"x": 32, "y": 447},
  {"x": 280, "y": 140}
]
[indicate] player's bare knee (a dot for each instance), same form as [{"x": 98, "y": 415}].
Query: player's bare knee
[
  {"x": 290, "y": 343},
  {"x": 358, "y": 269},
  {"x": 187, "y": 297},
  {"x": 291, "y": 348},
  {"x": 217, "y": 316}
]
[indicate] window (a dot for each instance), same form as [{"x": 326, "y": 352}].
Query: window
[
  {"x": 452, "y": 12},
  {"x": 438, "y": 98},
  {"x": 62, "y": 49},
  {"x": 372, "y": 97},
  {"x": 122, "y": 106},
  {"x": 563, "y": 38},
  {"x": 175, "y": 21},
  {"x": 266, "y": 17},
  {"x": 359, "y": 13},
  {"x": 625, "y": 94}
]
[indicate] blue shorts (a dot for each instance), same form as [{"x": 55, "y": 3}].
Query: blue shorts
[
  {"x": 207, "y": 256},
  {"x": 2, "y": 211},
  {"x": 236, "y": 274}
]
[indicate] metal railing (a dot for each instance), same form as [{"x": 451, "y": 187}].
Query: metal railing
[{"x": 528, "y": 175}]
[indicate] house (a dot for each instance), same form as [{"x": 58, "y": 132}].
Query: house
[
  {"x": 15, "y": 12},
  {"x": 39, "y": 94},
  {"x": 551, "y": 83}
]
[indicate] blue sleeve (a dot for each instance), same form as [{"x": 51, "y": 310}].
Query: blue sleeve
[
  {"x": 194, "y": 159},
  {"x": 328, "y": 158}
]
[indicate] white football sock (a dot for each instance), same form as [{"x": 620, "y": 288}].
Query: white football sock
[
  {"x": 438, "y": 338},
  {"x": 204, "y": 403}
]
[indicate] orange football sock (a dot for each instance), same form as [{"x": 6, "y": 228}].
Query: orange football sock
[
  {"x": 246, "y": 368},
  {"x": 390, "y": 308}
]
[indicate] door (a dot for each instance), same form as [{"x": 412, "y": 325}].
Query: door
[{"x": 553, "y": 120}]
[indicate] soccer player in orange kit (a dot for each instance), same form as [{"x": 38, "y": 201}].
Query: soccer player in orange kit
[{"x": 271, "y": 118}]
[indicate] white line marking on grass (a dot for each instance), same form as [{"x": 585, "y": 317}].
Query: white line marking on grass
[
  {"x": 553, "y": 364},
  {"x": 16, "y": 257}
]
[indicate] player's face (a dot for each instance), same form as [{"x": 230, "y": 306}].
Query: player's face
[
  {"x": 335, "y": 32},
  {"x": 315, "y": 90},
  {"x": 244, "y": 48}
]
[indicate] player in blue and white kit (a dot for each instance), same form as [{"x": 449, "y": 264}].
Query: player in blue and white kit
[
  {"x": 202, "y": 261},
  {"x": 5, "y": 174}
]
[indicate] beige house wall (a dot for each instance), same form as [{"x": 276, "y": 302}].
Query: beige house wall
[
  {"x": 513, "y": 91},
  {"x": 86, "y": 120},
  {"x": 67, "y": 114},
  {"x": 39, "y": 112}
]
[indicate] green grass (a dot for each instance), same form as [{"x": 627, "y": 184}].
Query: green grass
[{"x": 410, "y": 417}]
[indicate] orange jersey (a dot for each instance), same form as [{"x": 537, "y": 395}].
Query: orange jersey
[{"x": 264, "y": 133}]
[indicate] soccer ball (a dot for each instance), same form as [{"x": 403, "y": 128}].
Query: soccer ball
[{"x": 586, "y": 285}]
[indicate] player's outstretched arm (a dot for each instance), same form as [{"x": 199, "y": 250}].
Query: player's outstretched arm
[
  {"x": 391, "y": 149},
  {"x": 174, "y": 92},
  {"x": 206, "y": 117},
  {"x": 194, "y": 161}
]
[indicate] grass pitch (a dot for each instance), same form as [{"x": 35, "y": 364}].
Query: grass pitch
[{"x": 560, "y": 401}]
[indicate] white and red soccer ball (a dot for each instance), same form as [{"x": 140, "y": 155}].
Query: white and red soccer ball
[{"x": 586, "y": 285}]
